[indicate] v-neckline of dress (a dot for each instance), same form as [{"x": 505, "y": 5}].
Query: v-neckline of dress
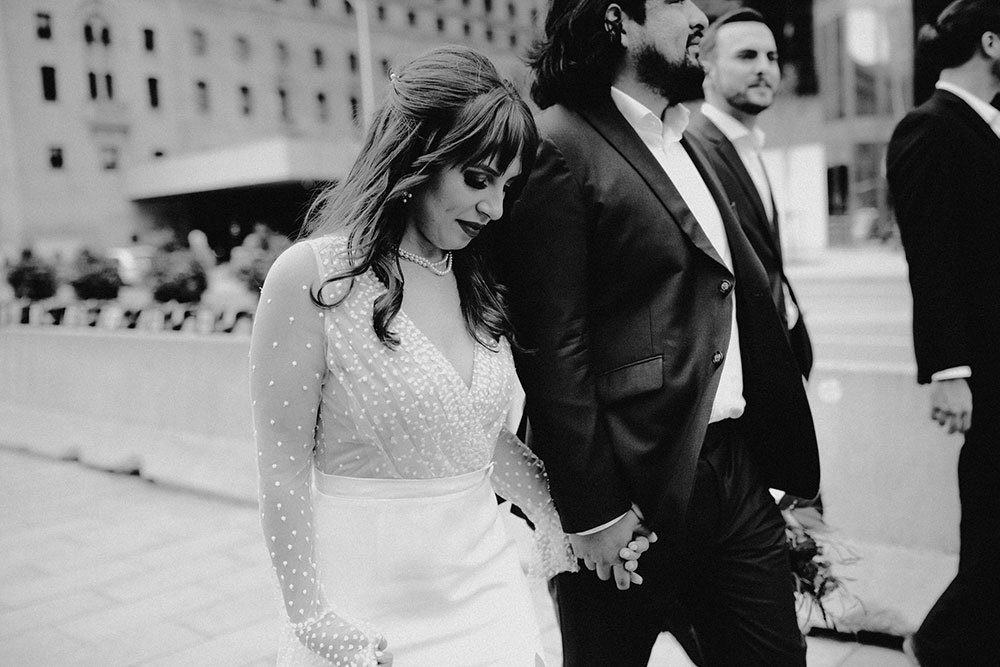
[
  {"x": 442, "y": 358},
  {"x": 374, "y": 282}
]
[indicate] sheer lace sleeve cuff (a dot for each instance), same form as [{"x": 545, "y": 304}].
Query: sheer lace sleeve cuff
[{"x": 519, "y": 476}]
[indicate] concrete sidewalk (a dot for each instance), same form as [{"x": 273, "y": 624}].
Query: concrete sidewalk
[{"x": 103, "y": 569}]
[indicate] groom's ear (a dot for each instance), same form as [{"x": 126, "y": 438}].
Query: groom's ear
[{"x": 613, "y": 24}]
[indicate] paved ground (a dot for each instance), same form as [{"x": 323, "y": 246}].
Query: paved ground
[{"x": 103, "y": 569}]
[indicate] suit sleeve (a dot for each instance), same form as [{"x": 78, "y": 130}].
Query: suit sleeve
[
  {"x": 547, "y": 252},
  {"x": 925, "y": 187}
]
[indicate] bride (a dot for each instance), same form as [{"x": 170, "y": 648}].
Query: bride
[{"x": 381, "y": 376}]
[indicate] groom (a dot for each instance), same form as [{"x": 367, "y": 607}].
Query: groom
[{"x": 661, "y": 389}]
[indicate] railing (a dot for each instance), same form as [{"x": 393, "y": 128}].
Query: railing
[{"x": 111, "y": 315}]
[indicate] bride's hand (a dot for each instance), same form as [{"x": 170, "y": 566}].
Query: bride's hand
[{"x": 630, "y": 554}]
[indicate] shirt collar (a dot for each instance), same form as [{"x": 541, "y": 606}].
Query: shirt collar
[
  {"x": 670, "y": 128},
  {"x": 981, "y": 107},
  {"x": 733, "y": 129}
]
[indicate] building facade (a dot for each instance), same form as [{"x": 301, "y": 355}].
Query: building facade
[
  {"x": 866, "y": 71},
  {"x": 119, "y": 116}
]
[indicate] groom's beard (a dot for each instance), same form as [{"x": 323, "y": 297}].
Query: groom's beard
[{"x": 676, "y": 81}]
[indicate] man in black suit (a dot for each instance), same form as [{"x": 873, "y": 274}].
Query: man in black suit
[
  {"x": 944, "y": 176},
  {"x": 741, "y": 77},
  {"x": 661, "y": 388}
]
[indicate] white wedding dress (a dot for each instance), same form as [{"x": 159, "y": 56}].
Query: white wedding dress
[{"x": 377, "y": 473}]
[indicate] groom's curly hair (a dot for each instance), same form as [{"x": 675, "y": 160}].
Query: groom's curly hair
[{"x": 575, "y": 59}]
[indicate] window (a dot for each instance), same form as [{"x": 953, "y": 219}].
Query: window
[
  {"x": 512, "y": 10},
  {"x": 386, "y": 67},
  {"x": 153, "y": 85},
  {"x": 149, "y": 40},
  {"x": 96, "y": 30},
  {"x": 199, "y": 44},
  {"x": 159, "y": 152},
  {"x": 286, "y": 114},
  {"x": 49, "y": 83},
  {"x": 319, "y": 58},
  {"x": 513, "y": 39},
  {"x": 109, "y": 158},
  {"x": 489, "y": 34},
  {"x": 488, "y": 5},
  {"x": 836, "y": 186},
  {"x": 322, "y": 108},
  {"x": 43, "y": 22},
  {"x": 440, "y": 24},
  {"x": 381, "y": 12},
  {"x": 411, "y": 18},
  {"x": 352, "y": 61},
  {"x": 201, "y": 96},
  {"x": 466, "y": 29},
  {"x": 282, "y": 50},
  {"x": 355, "y": 111},
  {"x": 246, "y": 101},
  {"x": 348, "y": 8},
  {"x": 315, "y": 4},
  {"x": 242, "y": 47},
  {"x": 56, "y": 157},
  {"x": 94, "y": 81}
]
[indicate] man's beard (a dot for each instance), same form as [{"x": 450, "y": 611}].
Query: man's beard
[{"x": 675, "y": 81}]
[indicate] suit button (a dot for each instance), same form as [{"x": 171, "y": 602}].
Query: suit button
[
  {"x": 726, "y": 286},
  {"x": 717, "y": 358}
]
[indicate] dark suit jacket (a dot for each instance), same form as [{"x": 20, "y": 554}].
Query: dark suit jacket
[
  {"x": 627, "y": 308},
  {"x": 764, "y": 235},
  {"x": 944, "y": 176}
]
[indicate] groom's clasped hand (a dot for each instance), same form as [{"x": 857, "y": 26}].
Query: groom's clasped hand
[{"x": 604, "y": 553}]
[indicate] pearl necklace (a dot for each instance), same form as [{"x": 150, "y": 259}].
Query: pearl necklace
[{"x": 439, "y": 268}]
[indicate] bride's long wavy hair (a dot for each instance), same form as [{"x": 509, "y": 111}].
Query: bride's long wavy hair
[{"x": 447, "y": 108}]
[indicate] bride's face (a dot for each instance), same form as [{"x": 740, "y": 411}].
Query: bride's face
[{"x": 457, "y": 205}]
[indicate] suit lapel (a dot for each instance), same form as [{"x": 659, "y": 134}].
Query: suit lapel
[
  {"x": 746, "y": 264},
  {"x": 609, "y": 123},
  {"x": 726, "y": 150}
]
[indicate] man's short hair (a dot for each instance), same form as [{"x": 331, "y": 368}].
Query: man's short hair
[
  {"x": 738, "y": 15},
  {"x": 954, "y": 37}
]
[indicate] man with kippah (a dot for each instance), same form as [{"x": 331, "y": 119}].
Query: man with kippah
[{"x": 944, "y": 176}]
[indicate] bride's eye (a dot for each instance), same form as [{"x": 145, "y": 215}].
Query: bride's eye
[{"x": 476, "y": 180}]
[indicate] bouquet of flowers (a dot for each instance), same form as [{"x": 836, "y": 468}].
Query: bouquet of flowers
[{"x": 808, "y": 544}]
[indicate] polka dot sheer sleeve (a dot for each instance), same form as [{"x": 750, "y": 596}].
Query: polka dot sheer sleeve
[
  {"x": 519, "y": 476},
  {"x": 288, "y": 371}
]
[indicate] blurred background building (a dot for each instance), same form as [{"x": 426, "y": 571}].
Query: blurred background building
[{"x": 122, "y": 116}]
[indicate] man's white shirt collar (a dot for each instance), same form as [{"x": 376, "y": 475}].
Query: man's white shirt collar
[
  {"x": 670, "y": 128},
  {"x": 981, "y": 107},
  {"x": 733, "y": 129}
]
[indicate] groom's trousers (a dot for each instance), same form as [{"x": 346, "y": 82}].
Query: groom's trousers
[{"x": 724, "y": 587}]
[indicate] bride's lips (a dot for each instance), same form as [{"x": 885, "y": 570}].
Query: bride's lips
[{"x": 471, "y": 228}]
